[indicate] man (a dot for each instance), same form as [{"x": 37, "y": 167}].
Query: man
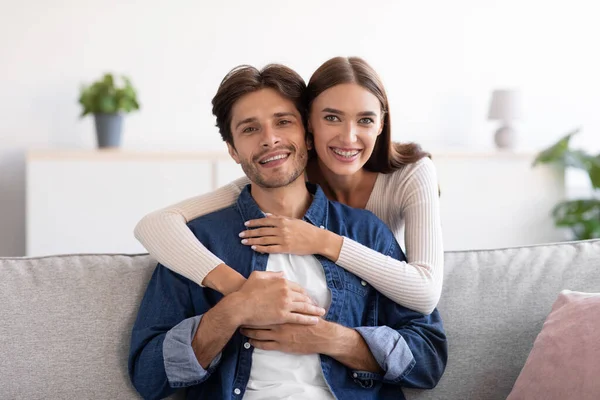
[{"x": 248, "y": 344}]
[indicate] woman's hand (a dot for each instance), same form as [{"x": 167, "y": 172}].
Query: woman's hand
[{"x": 275, "y": 234}]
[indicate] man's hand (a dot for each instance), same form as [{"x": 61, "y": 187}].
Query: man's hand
[
  {"x": 267, "y": 298},
  {"x": 291, "y": 338},
  {"x": 344, "y": 344}
]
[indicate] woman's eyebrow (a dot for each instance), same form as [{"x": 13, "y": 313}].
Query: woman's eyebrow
[
  {"x": 367, "y": 114},
  {"x": 333, "y": 111},
  {"x": 361, "y": 114}
]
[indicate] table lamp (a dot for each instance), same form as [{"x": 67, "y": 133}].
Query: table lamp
[{"x": 505, "y": 106}]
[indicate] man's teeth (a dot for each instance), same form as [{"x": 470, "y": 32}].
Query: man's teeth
[
  {"x": 346, "y": 153},
  {"x": 279, "y": 157}
]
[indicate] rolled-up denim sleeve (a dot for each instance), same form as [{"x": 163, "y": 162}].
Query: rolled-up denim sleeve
[
  {"x": 181, "y": 365},
  {"x": 390, "y": 350}
]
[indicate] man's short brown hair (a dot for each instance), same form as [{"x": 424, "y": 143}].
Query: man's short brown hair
[{"x": 246, "y": 79}]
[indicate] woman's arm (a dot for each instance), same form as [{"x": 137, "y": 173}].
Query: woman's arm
[
  {"x": 167, "y": 238},
  {"x": 416, "y": 284}
]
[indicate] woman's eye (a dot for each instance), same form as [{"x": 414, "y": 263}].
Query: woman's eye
[
  {"x": 249, "y": 129},
  {"x": 285, "y": 122},
  {"x": 365, "y": 121},
  {"x": 331, "y": 118}
]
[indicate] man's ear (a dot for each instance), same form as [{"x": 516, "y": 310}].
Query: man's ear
[
  {"x": 233, "y": 153},
  {"x": 309, "y": 136},
  {"x": 309, "y": 141}
]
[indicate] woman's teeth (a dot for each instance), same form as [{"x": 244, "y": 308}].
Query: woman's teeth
[
  {"x": 347, "y": 154},
  {"x": 279, "y": 157}
]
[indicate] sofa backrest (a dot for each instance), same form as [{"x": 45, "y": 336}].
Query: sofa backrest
[
  {"x": 494, "y": 303},
  {"x": 66, "y": 320},
  {"x": 66, "y": 323}
]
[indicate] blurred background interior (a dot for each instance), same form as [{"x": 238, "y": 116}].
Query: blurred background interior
[{"x": 485, "y": 86}]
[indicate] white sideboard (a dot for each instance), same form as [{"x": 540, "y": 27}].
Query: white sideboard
[
  {"x": 496, "y": 199},
  {"x": 82, "y": 201}
]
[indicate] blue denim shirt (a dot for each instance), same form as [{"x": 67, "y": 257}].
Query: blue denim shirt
[{"x": 410, "y": 347}]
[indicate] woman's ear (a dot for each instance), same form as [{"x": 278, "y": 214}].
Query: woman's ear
[{"x": 381, "y": 123}]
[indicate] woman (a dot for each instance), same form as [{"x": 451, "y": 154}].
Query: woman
[{"x": 354, "y": 162}]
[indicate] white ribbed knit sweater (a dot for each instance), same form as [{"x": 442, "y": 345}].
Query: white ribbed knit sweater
[{"x": 406, "y": 200}]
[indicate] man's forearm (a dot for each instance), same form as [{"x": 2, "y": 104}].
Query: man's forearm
[
  {"x": 216, "y": 327},
  {"x": 349, "y": 348}
]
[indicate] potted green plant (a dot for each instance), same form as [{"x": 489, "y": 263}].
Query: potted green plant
[
  {"x": 582, "y": 216},
  {"x": 108, "y": 101}
]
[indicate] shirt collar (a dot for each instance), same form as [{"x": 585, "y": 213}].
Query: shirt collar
[{"x": 316, "y": 213}]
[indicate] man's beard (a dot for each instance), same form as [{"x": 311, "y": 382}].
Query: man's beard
[{"x": 299, "y": 158}]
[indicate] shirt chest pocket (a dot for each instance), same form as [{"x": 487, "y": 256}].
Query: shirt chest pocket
[
  {"x": 360, "y": 305},
  {"x": 356, "y": 285}
]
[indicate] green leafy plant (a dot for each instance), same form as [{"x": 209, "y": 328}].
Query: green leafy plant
[
  {"x": 582, "y": 216},
  {"x": 105, "y": 97}
]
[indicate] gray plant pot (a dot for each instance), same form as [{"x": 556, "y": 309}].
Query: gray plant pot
[{"x": 108, "y": 129}]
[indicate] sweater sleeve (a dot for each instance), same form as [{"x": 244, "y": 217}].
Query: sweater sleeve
[
  {"x": 416, "y": 284},
  {"x": 167, "y": 238}
]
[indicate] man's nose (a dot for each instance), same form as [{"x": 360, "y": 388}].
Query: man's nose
[{"x": 270, "y": 137}]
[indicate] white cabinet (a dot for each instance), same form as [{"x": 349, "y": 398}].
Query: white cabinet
[
  {"x": 497, "y": 199},
  {"x": 90, "y": 201}
]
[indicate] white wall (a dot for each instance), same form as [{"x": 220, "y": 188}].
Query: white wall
[{"x": 439, "y": 59}]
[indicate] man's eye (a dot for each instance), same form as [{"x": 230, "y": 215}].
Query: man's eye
[
  {"x": 331, "y": 118},
  {"x": 249, "y": 129},
  {"x": 365, "y": 121}
]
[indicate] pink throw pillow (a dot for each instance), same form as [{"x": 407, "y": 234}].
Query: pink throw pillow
[{"x": 565, "y": 360}]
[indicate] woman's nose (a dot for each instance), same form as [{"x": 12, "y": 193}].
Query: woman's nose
[{"x": 348, "y": 135}]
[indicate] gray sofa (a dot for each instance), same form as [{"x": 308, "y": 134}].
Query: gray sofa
[{"x": 66, "y": 320}]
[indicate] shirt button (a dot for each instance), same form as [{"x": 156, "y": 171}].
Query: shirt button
[
  {"x": 246, "y": 345},
  {"x": 363, "y": 283},
  {"x": 322, "y": 227},
  {"x": 355, "y": 375},
  {"x": 237, "y": 391}
]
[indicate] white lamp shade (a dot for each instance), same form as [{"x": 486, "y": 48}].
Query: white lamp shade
[{"x": 505, "y": 105}]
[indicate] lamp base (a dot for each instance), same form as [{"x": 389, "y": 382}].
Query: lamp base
[{"x": 505, "y": 137}]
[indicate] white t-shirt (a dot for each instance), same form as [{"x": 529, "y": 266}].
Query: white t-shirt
[{"x": 277, "y": 375}]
